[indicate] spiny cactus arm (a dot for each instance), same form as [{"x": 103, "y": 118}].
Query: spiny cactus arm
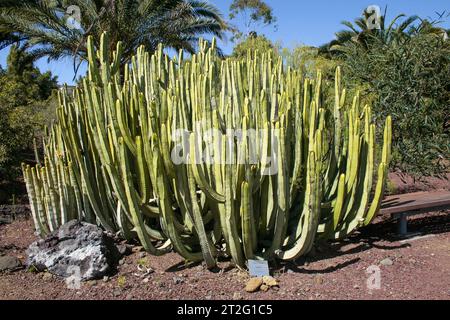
[
  {"x": 387, "y": 142},
  {"x": 40, "y": 225},
  {"x": 124, "y": 224},
  {"x": 297, "y": 171},
  {"x": 230, "y": 220},
  {"x": 162, "y": 187},
  {"x": 310, "y": 216},
  {"x": 166, "y": 151},
  {"x": 267, "y": 206},
  {"x": 205, "y": 243},
  {"x": 104, "y": 57},
  {"x": 117, "y": 59},
  {"x": 282, "y": 196},
  {"x": 378, "y": 196},
  {"x": 356, "y": 204},
  {"x": 248, "y": 223},
  {"x": 100, "y": 141},
  {"x": 126, "y": 134},
  {"x": 353, "y": 148},
  {"x": 47, "y": 195},
  {"x": 339, "y": 202},
  {"x": 143, "y": 175},
  {"x": 199, "y": 175},
  {"x": 93, "y": 73},
  {"x": 367, "y": 174},
  {"x": 77, "y": 203},
  {"x": 133, "y": 204},
  {"x": 63, "y": 211},
  {"x": 382, "y": 174}
]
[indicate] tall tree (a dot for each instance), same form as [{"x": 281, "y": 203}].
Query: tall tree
[
  {"x": 59, "y": 28},
  {"x": 363, "y": 32},
  {"x": 253, "y": 13}
]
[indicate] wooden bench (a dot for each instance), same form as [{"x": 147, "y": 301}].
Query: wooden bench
[{"x": 404, "y": 205}]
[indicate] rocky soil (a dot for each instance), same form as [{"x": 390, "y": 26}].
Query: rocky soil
[{"x": 409, "y": 269}]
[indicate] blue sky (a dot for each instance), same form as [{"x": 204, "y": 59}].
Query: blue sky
[{"x": 299, "y": 22}]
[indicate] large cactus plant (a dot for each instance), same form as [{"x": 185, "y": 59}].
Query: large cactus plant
[{"x": 209, "y": 157}]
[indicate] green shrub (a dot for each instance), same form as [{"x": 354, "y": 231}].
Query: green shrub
[{"x": 410, "y": 80}]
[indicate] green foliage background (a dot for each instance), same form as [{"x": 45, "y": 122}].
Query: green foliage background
[
  {"x": 27, "y": 103},
  {"x": 409, "y": 79}
]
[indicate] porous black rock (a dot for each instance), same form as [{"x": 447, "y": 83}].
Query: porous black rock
[{"x": 77, "y": 249}]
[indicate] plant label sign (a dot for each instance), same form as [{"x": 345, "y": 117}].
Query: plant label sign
[{"x": 258, "y": 268}]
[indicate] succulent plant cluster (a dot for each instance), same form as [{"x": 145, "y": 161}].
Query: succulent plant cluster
[{"x": 209, "y": 157}]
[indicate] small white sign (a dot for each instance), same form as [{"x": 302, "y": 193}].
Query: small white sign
[{"x": 258, "y": 268}]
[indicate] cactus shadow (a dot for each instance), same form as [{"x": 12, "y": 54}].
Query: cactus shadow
[
  {"x": 296, "y": 268},
  {"x": 182, "y": 265}
]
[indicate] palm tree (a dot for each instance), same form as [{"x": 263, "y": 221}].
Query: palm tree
[
  {"x": 46, "y": 30},
  {"x": 361, "y": 34}
]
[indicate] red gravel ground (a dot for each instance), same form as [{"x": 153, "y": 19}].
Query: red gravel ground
[{"x": 420, "y": 270}]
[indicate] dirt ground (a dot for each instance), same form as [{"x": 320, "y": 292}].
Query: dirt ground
[{"x": 414, "y": 269}]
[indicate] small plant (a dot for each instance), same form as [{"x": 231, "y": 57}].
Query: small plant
[
  {"x": 391, "y": 188},
  {"x": 142, "y": 262},
  {"x": 121, "y": 281}
]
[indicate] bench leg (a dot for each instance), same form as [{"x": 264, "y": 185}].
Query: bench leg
[{"x": 402, "y": 224}]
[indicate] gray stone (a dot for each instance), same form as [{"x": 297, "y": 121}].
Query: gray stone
[
  {"x": 178, "y": 280},
  {"x": 9, "y": 263},
  {"x": 76, "y": 249},
  {"x": 387, "y": 262},
  {"x": 124, "y": 250}
]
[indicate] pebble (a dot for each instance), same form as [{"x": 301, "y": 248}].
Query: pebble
[
  {"x": 319, "y": 280},
  {"x": 254, "y": 284},
  {"x": 92, "y": 283},
  {"x": 142, "y": 255},
  {"x": 124, "y": 250},
  {"x": 178, "y": 280},
  {"x": 387, "y": 262},
  {"x": 270, "y": 281},
  {"x": 47, "y": 276},
  {"x": 137, "y": 249},
  {"x": 105, "y": 279},
  {"x": 238, "y": 296},
  {"x": 117, "y": 293},
  {"x": 264, "y": 288}
]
